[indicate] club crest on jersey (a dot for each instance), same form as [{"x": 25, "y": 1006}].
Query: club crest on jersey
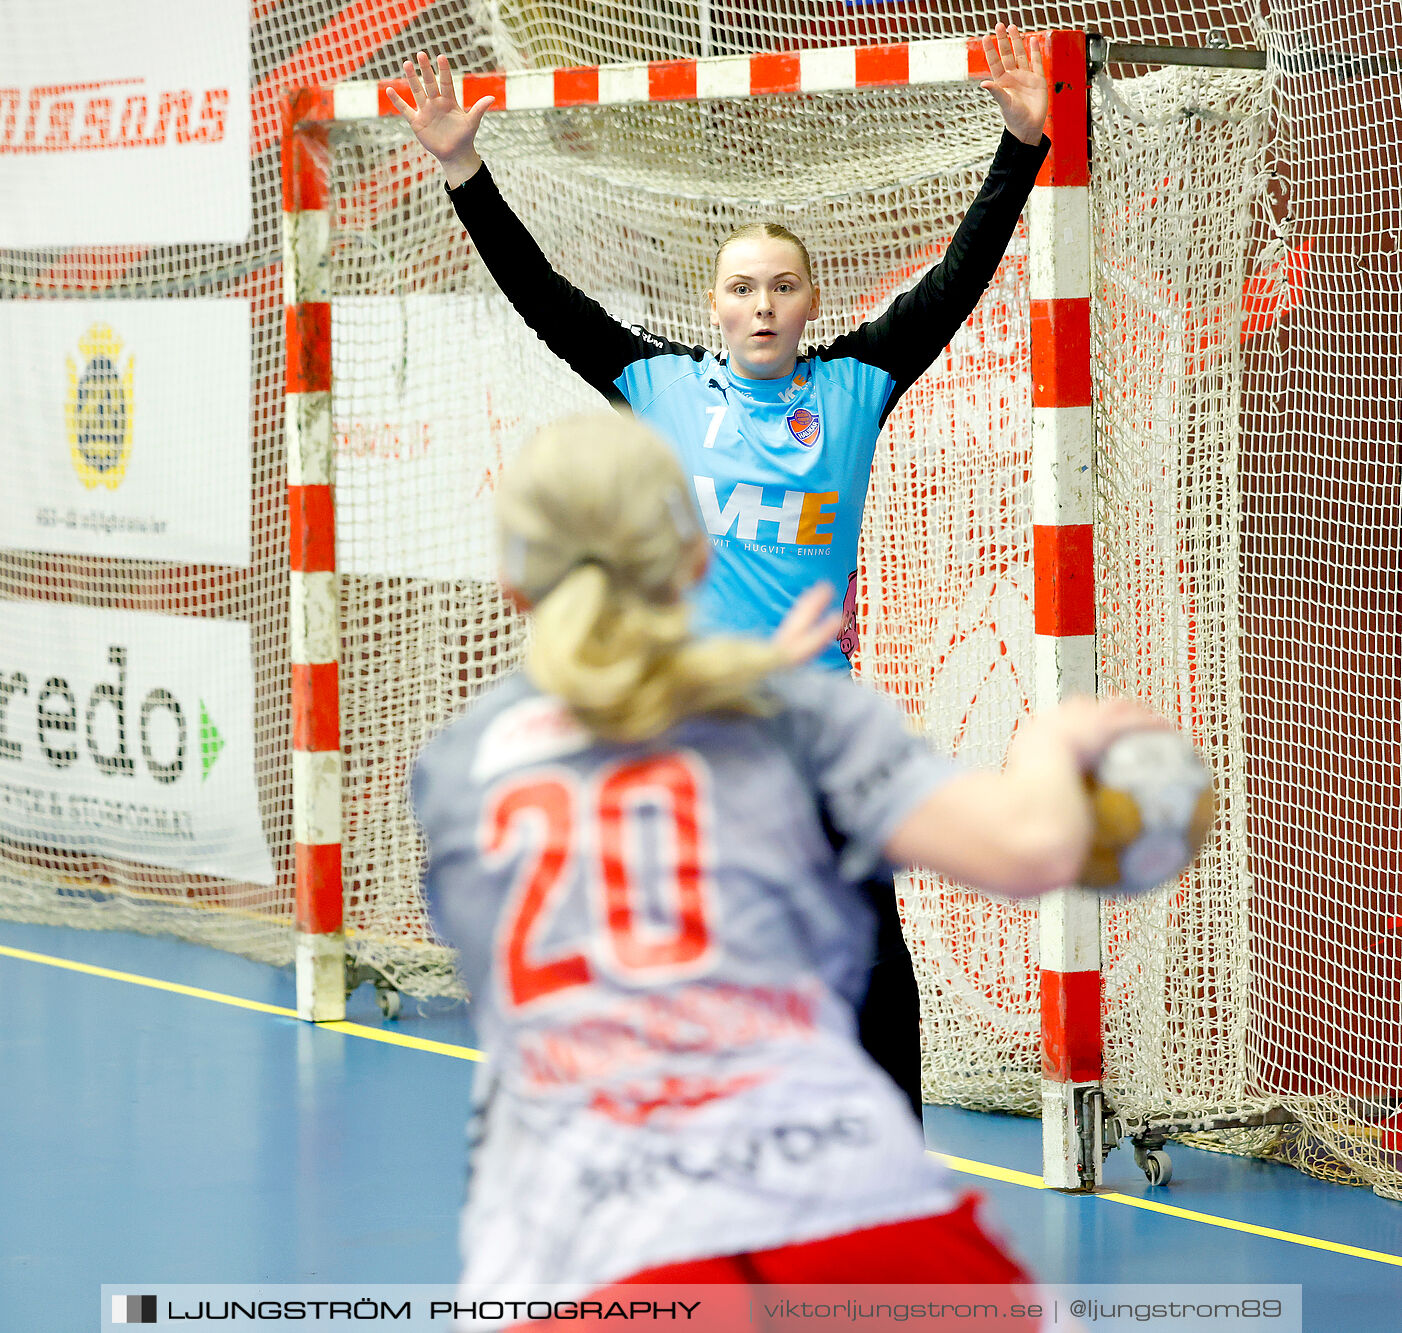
[{"x": 804, "y": 426}]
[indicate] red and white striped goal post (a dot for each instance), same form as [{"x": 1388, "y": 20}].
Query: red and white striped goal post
[{"x": 1058, "y": 218}]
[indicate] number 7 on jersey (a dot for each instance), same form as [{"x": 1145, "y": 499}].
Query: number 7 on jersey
[{"x": 717, "y": 415}]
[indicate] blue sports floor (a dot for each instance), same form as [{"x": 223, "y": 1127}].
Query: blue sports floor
[{"x": 165, "y": 1120}]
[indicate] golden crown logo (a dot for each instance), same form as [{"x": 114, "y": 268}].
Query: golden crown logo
[{"x": 99, "y": 409}]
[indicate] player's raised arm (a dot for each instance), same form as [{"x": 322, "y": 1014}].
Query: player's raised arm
[
  {"x": 570, "y": 323},
  {"x": 918, "y": 324},
  {"x": 443, "y": 127}
]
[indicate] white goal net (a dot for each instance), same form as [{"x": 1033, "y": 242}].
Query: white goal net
[{"x": 1245, "y": 329}]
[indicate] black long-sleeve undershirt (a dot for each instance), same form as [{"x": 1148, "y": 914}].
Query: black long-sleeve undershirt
[{"x": 904, "y": 340}]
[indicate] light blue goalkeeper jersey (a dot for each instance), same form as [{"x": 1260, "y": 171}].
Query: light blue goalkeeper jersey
[{"x": 780, "y": 468}]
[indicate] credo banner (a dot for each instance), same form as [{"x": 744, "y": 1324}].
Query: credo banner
[
  {"x": 130, "y": 735},
  {"x": 127, "y": 429},
  {"x": 124, "y": 124}
]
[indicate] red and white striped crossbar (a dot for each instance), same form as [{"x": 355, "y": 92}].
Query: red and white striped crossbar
[{"x": 837, "y": 69}]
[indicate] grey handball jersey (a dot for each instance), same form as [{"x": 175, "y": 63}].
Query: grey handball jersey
[{"x": 664, "y": 944}]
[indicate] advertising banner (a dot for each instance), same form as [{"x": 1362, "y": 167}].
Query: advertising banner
[
  {"x": 126, "y": 429},
  {"x": 130, "y": 735},
  {"x": 124, "y": 124}
]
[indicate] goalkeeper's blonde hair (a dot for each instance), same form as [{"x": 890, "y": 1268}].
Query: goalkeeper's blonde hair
[{"x": 598, "y": 530}]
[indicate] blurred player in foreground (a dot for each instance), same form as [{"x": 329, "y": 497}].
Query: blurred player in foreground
[{"x": 646, "y": 849}]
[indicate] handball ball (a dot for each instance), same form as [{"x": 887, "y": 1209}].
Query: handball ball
[{"x": 1153, "y": 805}]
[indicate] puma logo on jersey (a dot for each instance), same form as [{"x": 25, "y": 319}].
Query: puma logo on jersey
[
  {"x": 801, "y": 518},
  {"x": 651, "y": 339}
]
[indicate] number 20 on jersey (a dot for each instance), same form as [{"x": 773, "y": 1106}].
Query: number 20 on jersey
[{"x": 577, "y": 835}]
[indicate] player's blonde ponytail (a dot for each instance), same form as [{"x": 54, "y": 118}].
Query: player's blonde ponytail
[{"x": 599, "y": 531}]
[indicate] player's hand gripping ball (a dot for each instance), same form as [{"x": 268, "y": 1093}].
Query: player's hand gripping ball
[{"x": 1153, "y": 804}]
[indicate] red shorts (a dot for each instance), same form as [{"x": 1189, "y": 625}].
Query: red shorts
[
  {"x": 949, "y": 1251},
  {"x": 945, "y": 1248}
]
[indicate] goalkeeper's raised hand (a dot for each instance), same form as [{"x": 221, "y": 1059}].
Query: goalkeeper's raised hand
[
  {"x": 438, "y": 122},
  {"x": 1017, "y": 82}
]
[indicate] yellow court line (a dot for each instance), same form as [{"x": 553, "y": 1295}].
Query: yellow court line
[
  {"x": 399, "y": 1039},
  {"x": 988, "y": 1172},
  {"x": 962, "y": 1164},
  {"x": 972, "y": 1168},
  {"x": 1293, "y": 1237},
  {"x": 154, "y": 983}
]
